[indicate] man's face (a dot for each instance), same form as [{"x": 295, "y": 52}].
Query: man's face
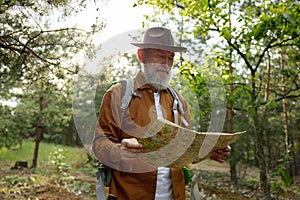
[{"x": 157, "y": 67}]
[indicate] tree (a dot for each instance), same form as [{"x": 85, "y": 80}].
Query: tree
[{"x": 33, "y": 47}]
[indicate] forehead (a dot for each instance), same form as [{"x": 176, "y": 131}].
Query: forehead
[{"x": 160, "y": 51}]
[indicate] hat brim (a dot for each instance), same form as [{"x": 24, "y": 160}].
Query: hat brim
[{"x": 158, "y": 46}]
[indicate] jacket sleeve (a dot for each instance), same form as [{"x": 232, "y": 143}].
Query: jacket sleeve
[{"x": 107, "y": 130}]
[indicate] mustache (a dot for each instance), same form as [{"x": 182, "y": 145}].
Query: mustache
[
  {"x": 164, "y": 68},
  {"x": 158, "y": 66}
]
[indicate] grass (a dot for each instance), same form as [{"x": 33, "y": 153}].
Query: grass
[
  {"x": 8, "y": 157},
  {"x": 65, "y": 166}
]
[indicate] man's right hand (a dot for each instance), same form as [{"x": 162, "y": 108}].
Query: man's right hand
[
  {"x": 131, "y": 145},
  {"x": 126, "y": 151}
]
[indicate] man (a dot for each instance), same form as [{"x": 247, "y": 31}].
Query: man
[{"x": 116, "y": 140}]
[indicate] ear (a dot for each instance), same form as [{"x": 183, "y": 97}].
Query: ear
[{"x": 141, "y": 56}]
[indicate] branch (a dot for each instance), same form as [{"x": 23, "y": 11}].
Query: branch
[
  {"x": 269, "y": 46},
  {"x": 25, "y": 49},
  {"x": 263, "y": 53},
  {"x": 31, "y": 39},
  {"x": 10, "y": 47},
  {"x": 287, "y": 97},
  {"x": 176, "y": 4},
  {"x": 287, "y": 92},
  {"x": 283, "y": 41},
  {"x": 235, "y": 47},
  {"x": 236, "y": 84},
  {"x": 40, "y": 58}
]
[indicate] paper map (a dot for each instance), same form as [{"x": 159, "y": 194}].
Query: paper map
[{"x": 167, "y": 144}]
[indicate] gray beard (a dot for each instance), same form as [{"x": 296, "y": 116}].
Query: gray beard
[{"x": 153, "y": 78}]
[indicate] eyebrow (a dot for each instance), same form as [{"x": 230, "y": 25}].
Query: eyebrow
[{"x": 162, "y": 51}]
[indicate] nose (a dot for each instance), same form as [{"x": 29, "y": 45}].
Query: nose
[{"x": 167, "y": 62}]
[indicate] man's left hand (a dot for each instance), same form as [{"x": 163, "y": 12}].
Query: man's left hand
[{"x": 220, "y": 155}]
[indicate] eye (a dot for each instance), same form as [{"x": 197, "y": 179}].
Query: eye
[{"x": 160, "y": 56}]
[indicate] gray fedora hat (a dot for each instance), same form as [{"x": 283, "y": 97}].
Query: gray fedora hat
[{"x": 159, "y": 38}]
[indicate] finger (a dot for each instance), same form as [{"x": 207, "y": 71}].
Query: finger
[
  {"x": 227, "y": 149},
  {"x": 223, "y": 154},
  {"x": 131, "y": 143},
  {"x": 125, "y": 148},
  {"x": 132, "y": 150},
  {"x": 219, "y": 157}
]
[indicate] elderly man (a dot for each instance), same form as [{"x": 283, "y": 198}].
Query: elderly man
[{"x": 116, "y": 138}]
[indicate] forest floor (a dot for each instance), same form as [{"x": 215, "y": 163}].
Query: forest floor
[
  {"x": 213, "y": 180},
  {"x": 214, "y": 183}
]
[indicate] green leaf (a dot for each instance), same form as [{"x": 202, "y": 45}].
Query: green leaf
[
  {"x": 286, "y": 178},
  {"x": 251, "y": 111},
  {"x": 272, "y": 104}
]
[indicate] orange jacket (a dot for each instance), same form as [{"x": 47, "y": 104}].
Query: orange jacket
[{"x": 141, "y": 112}]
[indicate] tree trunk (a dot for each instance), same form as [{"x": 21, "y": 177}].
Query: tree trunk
[
  {"x": 297, "y": 157},
  {"x": 290, "y": 153},
  {"x": 38, "y": 128},
  {"x": 284, "y": 106},
  {"x": 233, "y": 159},
  {"x": 259, "y": 143},
  {"x": 265, "y": 112},
  {"x": 261, "y": 139},
  {"x": 233, "y": 172}
]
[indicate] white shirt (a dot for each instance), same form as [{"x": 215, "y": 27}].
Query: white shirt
[{"x": 164, "y": 182}]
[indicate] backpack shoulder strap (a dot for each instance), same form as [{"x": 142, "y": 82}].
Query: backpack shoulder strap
[
  {"x": 127, "y": 91},
  {"x": 177, "y": 103}
]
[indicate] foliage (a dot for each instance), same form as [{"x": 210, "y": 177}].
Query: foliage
[
  {"x": 14, "y": 180},
  {"x": 31, "y": 49},
  {"x": 81, "y": 188},
  {"x": 285, "y": 180},
  {"x": 7, "y": 128},
  {"x": 57, "y": 117},
  {"x": 200, "y": 79},
  {"x": 37, "y": 47},
  {"x": 57, "y": 158}
]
